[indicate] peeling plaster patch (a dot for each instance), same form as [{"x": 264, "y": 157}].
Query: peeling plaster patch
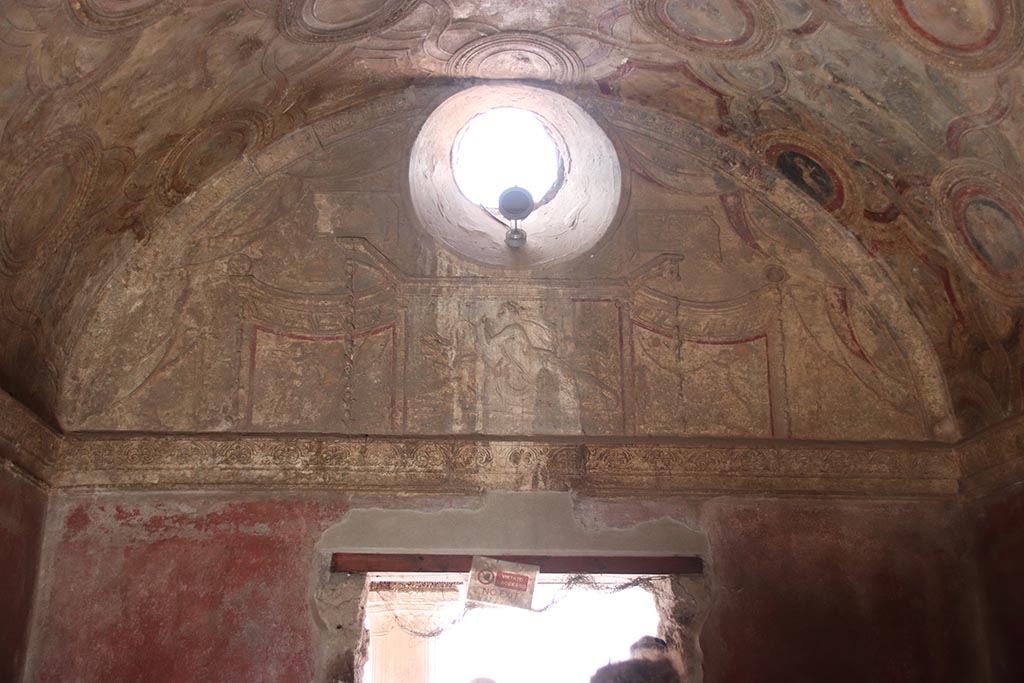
[
  {"x": 76, "y": 523},
  {"x": 142, "y": 522},
  {"x": 507, "y": 523}
]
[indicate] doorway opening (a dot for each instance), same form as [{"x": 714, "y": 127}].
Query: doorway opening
[{"x": 422, "y": 630}]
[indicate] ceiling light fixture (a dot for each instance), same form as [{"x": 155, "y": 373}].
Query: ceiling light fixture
[{"x": 515, "y": 204}]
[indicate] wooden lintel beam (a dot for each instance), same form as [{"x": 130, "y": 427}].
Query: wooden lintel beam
[{"x": 359, "y": 563}]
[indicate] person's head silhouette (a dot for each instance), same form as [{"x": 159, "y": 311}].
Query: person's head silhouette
[{"x": 637, "y": 671}]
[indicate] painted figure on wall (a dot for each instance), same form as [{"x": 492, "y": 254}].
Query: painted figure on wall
[
  {"x": 810, "y": 176},
  {"x": 507, "y": 376},
  {"x": 527, "y": 386}
]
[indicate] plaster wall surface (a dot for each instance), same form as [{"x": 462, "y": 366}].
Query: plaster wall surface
[
  {"x": 179, "y": 587},
  {"x": 998, "y": 525},
  {"x": 22, "y": 514}
]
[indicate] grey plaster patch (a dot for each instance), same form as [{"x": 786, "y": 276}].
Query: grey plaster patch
[{"x": 534, "y": 522}]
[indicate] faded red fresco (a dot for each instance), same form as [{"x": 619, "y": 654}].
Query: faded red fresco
[
  {"x": 22, "y": 512},
  {"x": 838, "y": 591},
  {"x": 180, "y": 588},
  {"x": 184, "y": 588},
  {"x": 816, "y": 591},
  {"x": 999, "y": 529}
]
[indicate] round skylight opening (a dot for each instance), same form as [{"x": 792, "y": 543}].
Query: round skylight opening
[
  {"x": 486, "y": 139},
  {"x": 506, "y": 147}
]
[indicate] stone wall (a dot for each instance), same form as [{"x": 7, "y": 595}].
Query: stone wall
[
  {"x": 179, "y": 586},
  {"x": 22, "y": 514}
]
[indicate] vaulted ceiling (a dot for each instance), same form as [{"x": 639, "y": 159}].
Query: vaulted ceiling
[{"x": 867, "y": 150}]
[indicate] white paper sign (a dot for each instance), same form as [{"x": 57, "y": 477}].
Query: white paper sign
[{"x": 502, "y": 583}]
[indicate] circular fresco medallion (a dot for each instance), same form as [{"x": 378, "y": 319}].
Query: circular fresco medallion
[
  {"x": 972, "y": 35},
  {"x": 730, "y": 29},
  {"x": 209, "y": 147},
  {"x": 820, "y": 173},
  {"x": 993, "y": 228},
  {"x": 983, "y": 220},
  {"x": 325, "y": 21},
  {"x": 47, "y": 195},
  {"x": 519, "y": 55},
  {"x": 815, "y": 179}
]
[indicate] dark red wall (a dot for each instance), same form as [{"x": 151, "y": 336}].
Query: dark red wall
[
  {"x": 839, "y": 591},
  {"x": 999, "y": 532},
  {"x": 22, "y": 513},
  {"x": 813, "y": 591},
  {"x": 187, "y": 588},
  {"x": 180, "y": 588}
]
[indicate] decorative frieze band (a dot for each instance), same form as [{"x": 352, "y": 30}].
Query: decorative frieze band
[
  {"x": 855, "y": 470},
  {"x": 444, "y": 465},
  {"x": 454, "y": 466}
]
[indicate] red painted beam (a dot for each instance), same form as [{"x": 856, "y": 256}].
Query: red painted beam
[{"x": 358, "y": 563}]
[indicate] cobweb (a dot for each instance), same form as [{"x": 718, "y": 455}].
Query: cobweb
[{"x": 393, "y": 595}]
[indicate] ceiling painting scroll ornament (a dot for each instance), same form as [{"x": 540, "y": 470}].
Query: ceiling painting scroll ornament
[{"x": 111, "y": 16}]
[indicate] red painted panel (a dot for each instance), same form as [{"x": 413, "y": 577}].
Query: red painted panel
[
  {"x": 182, "y": 588},
  {"x": 844, "y": 592},
  {"x": 22, "y": 511}
]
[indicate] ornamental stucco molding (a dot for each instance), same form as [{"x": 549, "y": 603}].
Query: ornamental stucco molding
[
  {"x": 25, "y": 442},
  {"x": 861, "y": 470},
  {"x": 456, "y": 466},
  {"x": 982, "y": 465}
]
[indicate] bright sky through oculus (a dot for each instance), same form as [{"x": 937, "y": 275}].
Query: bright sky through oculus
[{"x": 502, "y": 148}]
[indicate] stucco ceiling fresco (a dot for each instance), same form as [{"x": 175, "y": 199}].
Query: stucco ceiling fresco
[{"x": 205, "y": 224}]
